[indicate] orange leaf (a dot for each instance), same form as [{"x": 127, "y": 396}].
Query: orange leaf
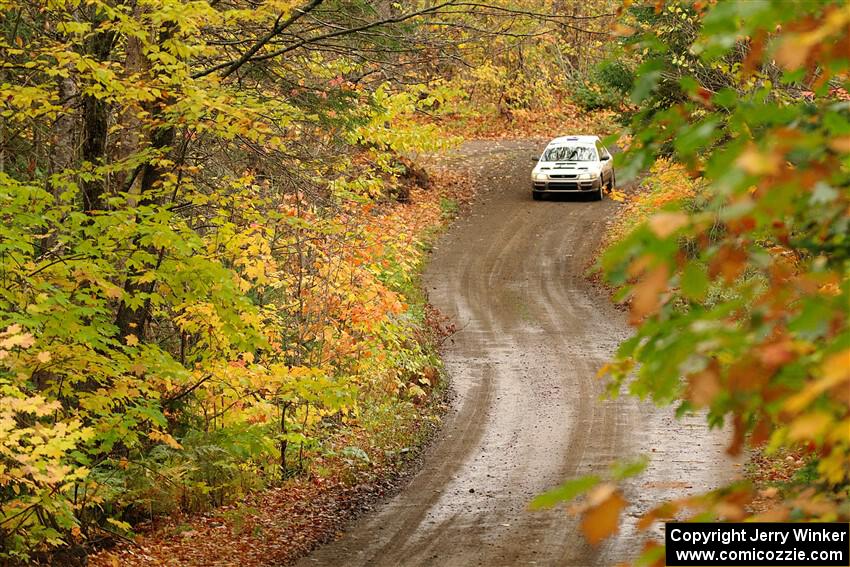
[
  {"x": 734, "y": 448},
  {"x": 776, "y": 514},
  {"x": 665, "y": 224},
  {"x": 662, "y": 512},
  {"x": 602, "y": 518},
  {"x": 774, "y": 355},
  {"x": 703, "y": 386},
  {"x": 748, "y": 374},
  {"x": 761, "y": 433},
  {"x": 840, "y": 144},
  {"x": 729, "y": 262},
  {"x": 622, "y": 30},
  {"x": 754, "y": 56},
  {"x": 646, "y": 298},
  {"x": 793, "y": 53}
]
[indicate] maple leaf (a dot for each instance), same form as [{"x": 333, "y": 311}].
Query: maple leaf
[
  {"x": 601, "y": 519},
  {"x": 646, "y": 296},
  {"x": 704, "y": 386},
  {"x": 665, "y": 224}
]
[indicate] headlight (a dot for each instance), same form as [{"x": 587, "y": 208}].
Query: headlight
[
  {"x": 539, "y": 176},
  {"x": 586, "y": 175}
]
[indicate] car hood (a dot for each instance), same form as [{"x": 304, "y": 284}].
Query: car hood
[{"x": 569, "y": 167}]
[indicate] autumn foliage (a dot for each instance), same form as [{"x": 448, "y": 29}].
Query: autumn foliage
[
  {"x": 204, "y": 279},
  {"x": 213, "y": 217},
  {"x": 214, "y": 214},
  {"x": 734, "y": 264}
]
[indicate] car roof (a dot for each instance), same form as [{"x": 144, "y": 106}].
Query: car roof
[{"x": 577, "y": 139}]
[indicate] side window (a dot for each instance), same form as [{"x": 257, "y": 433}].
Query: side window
[{"x": 603, "y": 153}]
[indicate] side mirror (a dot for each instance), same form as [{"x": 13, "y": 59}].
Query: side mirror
[
  {"x": 605, "y": 158},
  {"x": 535, "y": 159}
]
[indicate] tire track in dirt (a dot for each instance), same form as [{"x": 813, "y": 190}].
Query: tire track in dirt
[{"x": 526, "y": 413}]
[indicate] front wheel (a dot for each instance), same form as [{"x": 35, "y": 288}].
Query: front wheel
[{"x": 600, "y": 193}]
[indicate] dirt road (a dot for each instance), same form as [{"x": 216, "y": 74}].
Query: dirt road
[{"x": 526, "y": 412}]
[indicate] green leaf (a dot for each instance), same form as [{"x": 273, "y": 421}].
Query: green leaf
[
  {"x": 357, "y": 453},
  {"x": 566, "y": 492},
  {"x": 648, "y": 76},
  {"x": 694, "y": 281},
  {"x": 626, "y": 469}
]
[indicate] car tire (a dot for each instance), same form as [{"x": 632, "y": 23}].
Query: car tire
[
  {"x": 603, "y": 186},
  {"x": 600, "y": 193},
  {"x": 536, "y": 196}
]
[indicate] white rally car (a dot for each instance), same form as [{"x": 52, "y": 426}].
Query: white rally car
[{"x": 573, "y": 164}]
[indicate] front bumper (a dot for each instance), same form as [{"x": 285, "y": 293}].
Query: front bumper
[{"x": 565, "y": 185}]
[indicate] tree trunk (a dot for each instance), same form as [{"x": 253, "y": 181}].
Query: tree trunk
[
  {"x": 95, "y": 125},
  {"x": 133, "y": 320}
]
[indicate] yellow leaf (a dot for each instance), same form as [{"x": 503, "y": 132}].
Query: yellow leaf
[
  {"x": 755, "y": 162},
  {"x": 164, "y": 437},
  {"x": 43, "y": 357},
  {"x": 834, "y": 466},
  {"x": 131, "y": 340},
  {"x": 840, "y": 434},
  {"x": 809, "y": 426},
  {"x": 24, "y": 340},
  {"x": 836, "y": 368},
  {"x": 618, "y": 196},
  {"x": 11, "y": 330},
  {"x": 112, "y": 291},
  {"x": 834, "y": 371}
]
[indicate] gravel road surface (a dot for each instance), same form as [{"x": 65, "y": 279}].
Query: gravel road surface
[{"x": 526, "y": 411}]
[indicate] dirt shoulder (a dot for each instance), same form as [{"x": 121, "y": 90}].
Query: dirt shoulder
[{"x": 278, "y": 525}]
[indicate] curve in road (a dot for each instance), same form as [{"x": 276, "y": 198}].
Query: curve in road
[{"x": 527, "y": 412}]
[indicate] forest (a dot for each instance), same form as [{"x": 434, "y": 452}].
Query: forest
[{"x": 216, "y": 215}]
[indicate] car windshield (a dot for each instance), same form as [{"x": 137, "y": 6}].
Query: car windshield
[{"x": 570, "y": 153}]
